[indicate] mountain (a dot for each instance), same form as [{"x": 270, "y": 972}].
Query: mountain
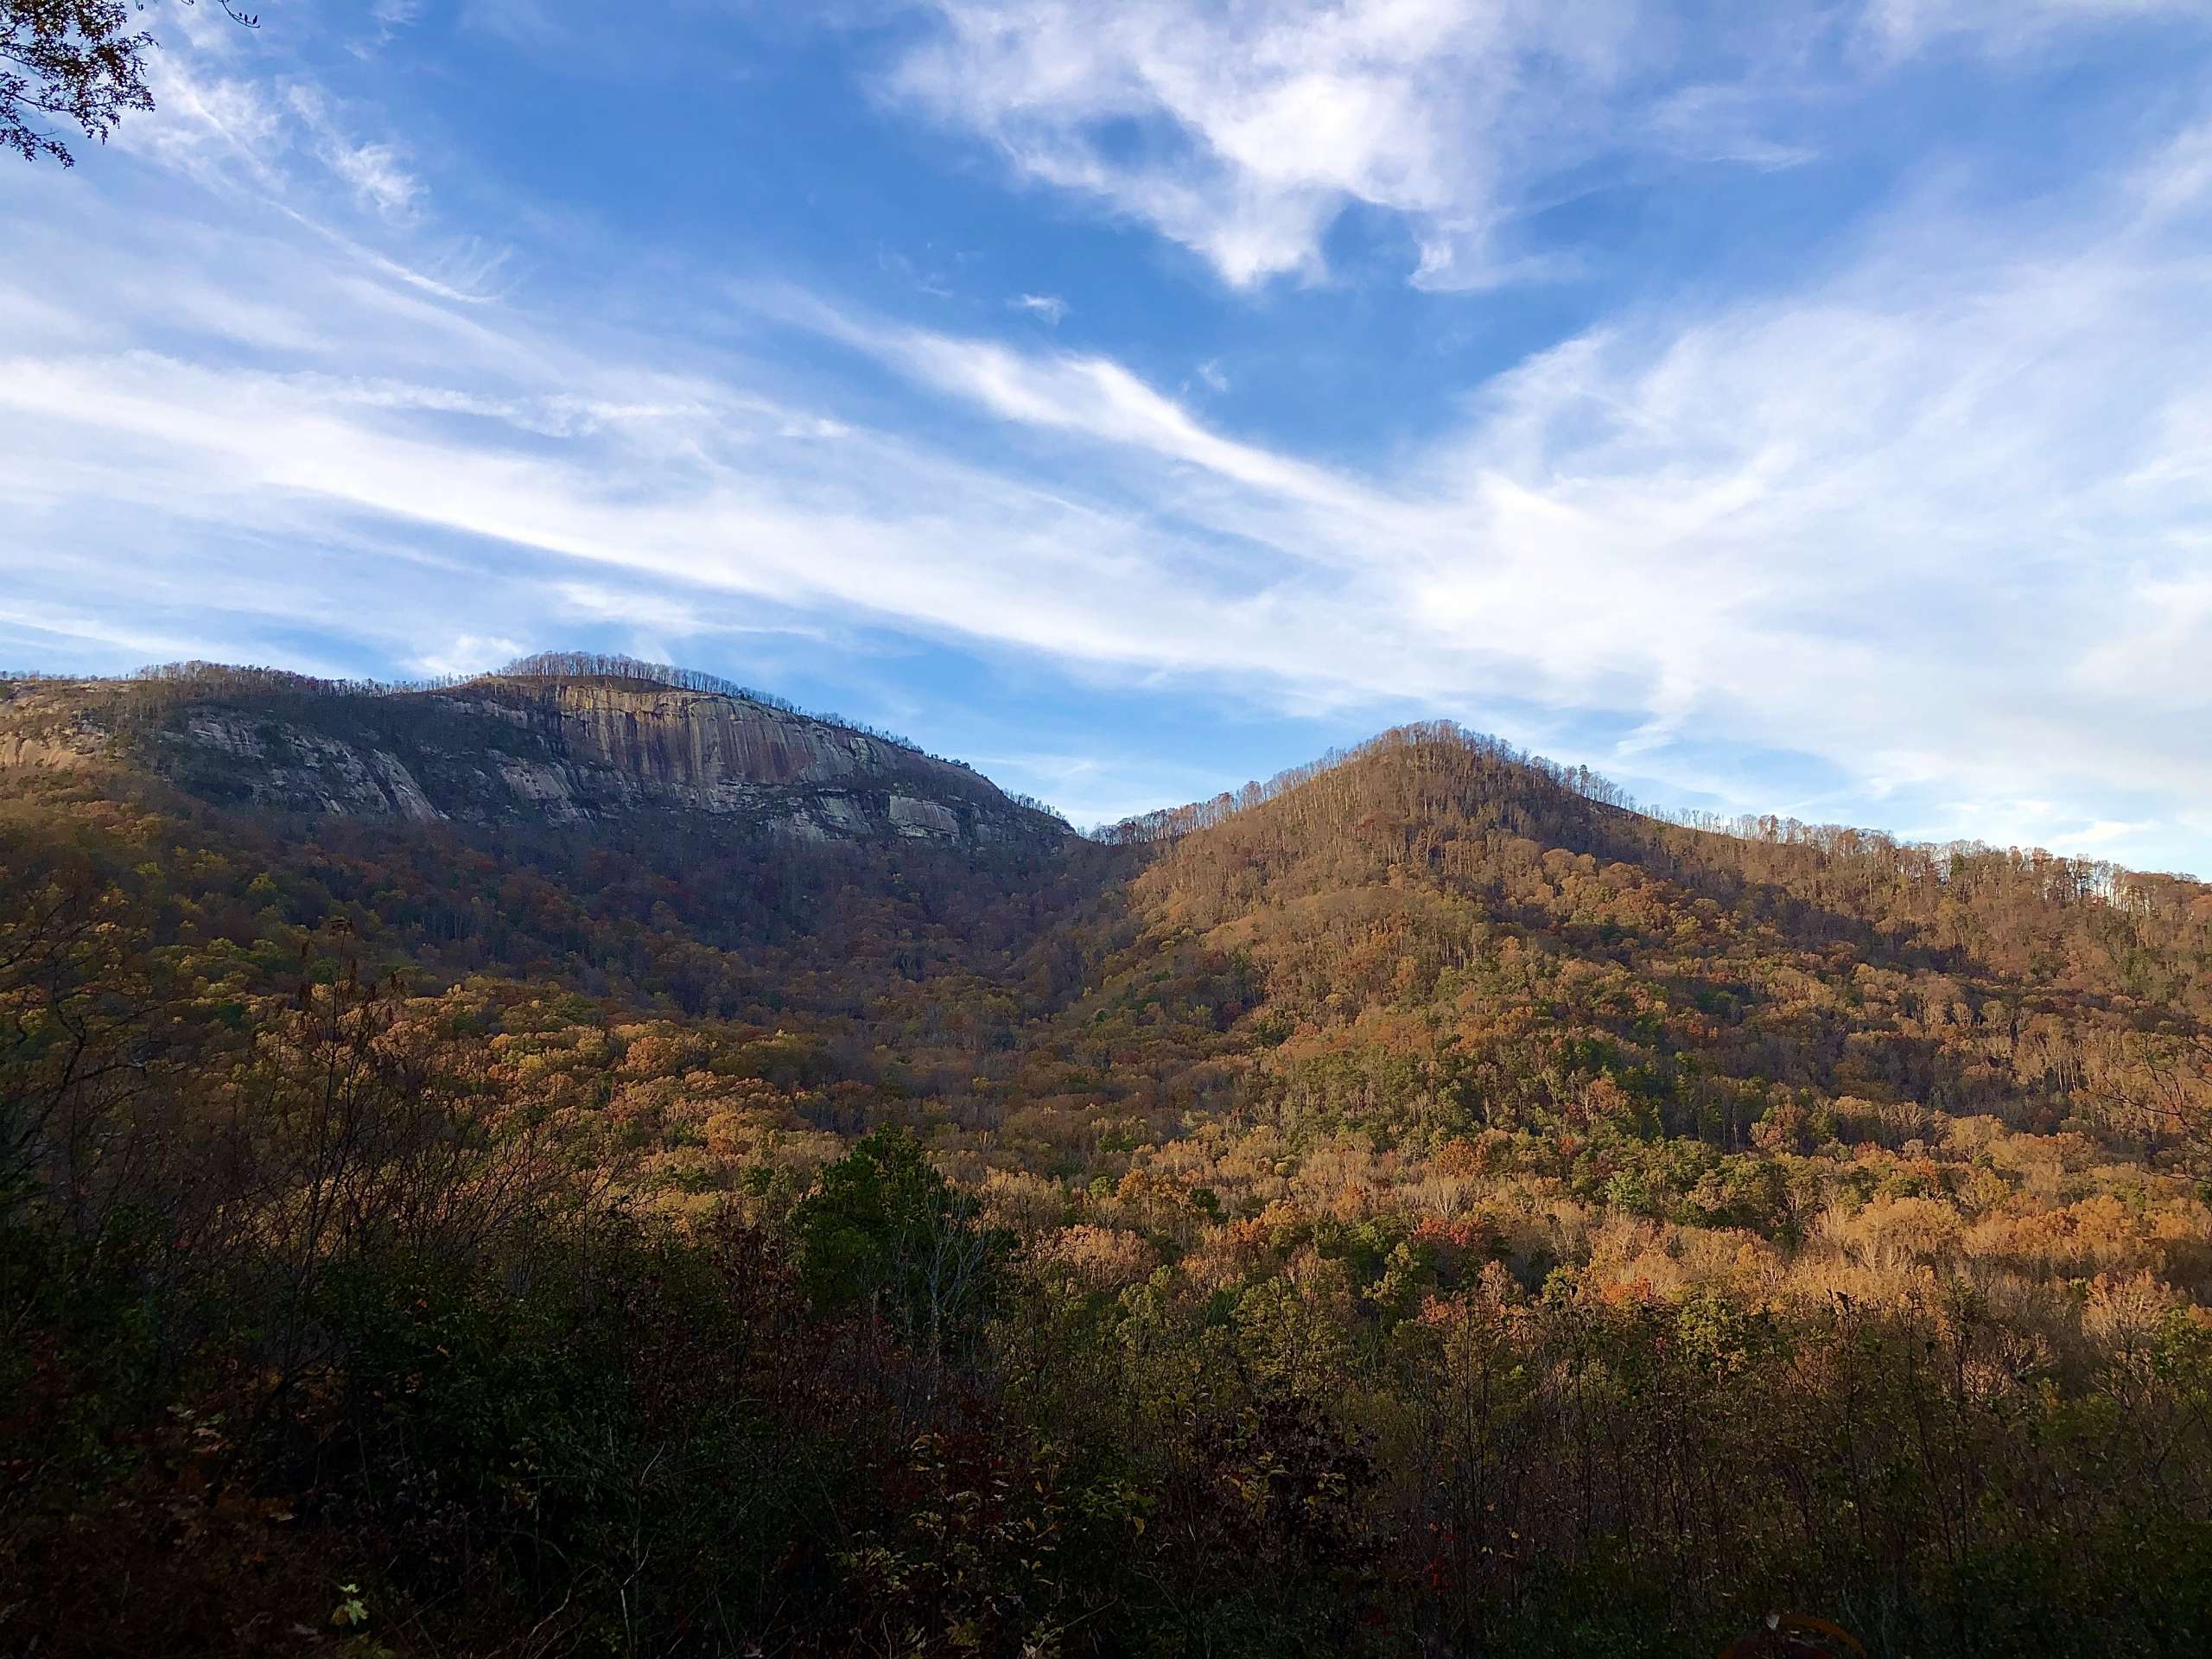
[
  {"x": 555, "y": 740},
  {"x": 559, "y": 1156},
  {"x": 1433, "y": 904}
]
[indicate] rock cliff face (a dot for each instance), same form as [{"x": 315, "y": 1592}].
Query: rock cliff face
[{"x": 560, "y": 750}]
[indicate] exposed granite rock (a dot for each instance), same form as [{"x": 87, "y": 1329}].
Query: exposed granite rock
[
  {"x": 40, "y": 727},
  {"x": 495, "y": 750},
  {"x": 913, "y": 817}
]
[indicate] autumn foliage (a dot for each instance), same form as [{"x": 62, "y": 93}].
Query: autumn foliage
[{"x": 1424, "y": 1207}]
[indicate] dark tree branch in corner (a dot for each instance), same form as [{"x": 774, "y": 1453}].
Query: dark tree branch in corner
[{"x": 78, "y": 60}]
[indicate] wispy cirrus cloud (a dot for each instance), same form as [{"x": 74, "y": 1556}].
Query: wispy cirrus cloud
[
  {"x": 2003, "y": 26},
  {"x": 1922, "y": 527},
  {"x": 375, "y": 172},
  {"x": 1046, "y": 307},
  {"x": 466, "y": 653},
  {"x": 1801, "y": 523}
]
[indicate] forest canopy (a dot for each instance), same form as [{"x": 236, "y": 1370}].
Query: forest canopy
[{"x": 1422, "y": 1206}]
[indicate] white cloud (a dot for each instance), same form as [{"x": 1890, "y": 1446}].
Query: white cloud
[
  {"x": 49, "y": 624},
  {"x": 1051, "y": 307},
  {"x": 377, "y": 176},
  {"x": 1099, "y": 398},
  {"x": 374, "y": 172},
  {"x": 242, "y": 141},
  {"x": 2160, "y": 652},
  {"x": 467, "y": 653},
  {"x": 1242, "y": 132},
  {"x": 2091, "y": 840},
  {"x": 663, "y": 614},
  {"x": 1245, "y": 131},
  {"x": 2004, "y": 26},
  {"x": 1719, "y": 124},
  {"x": 206, "y": 124}
]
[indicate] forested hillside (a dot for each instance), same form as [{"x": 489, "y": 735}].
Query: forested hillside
[{"x": 1421, "y": 1207}]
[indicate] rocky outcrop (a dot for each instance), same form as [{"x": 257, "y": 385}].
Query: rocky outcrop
[
  {"x": 518, "y": 749},
  {"x": 40, "y": 727}
]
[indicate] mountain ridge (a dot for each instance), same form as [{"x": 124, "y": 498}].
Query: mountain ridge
[
  {"x": 621, "y": 714},
  {"x": 566, "y": 738}
]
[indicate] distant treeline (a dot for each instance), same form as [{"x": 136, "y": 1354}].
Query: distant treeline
[
  {"x": 632, "y": 671},
  {"x": 1169, "y": 822},
  {"x": 199, "y": 678}
]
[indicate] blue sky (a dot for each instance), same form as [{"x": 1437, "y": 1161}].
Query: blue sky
[{"x": 1803, "y": 408}]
